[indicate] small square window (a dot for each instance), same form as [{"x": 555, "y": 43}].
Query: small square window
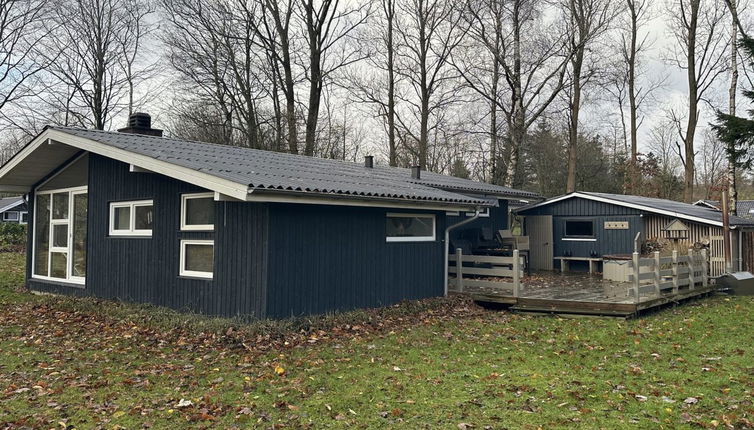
[
  {"x": 131, "y": 218},
  {"x": 197, "y": 258},
  {"x": 198, "y": 212}
]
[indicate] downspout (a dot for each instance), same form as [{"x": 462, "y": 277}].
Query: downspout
[
  {"x": 740, "y": 250},
  {"x": 447, "y": 244}
]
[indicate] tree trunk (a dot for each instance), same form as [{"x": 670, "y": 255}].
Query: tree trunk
[
  {"x": 494, "y": 175},
  {"x": 518, "y": 131},
  {"x": 732, "y": 188},
  {"x": 573, "y": 129},
  {"x": 688, "y": 185},
  {"x": 390, "y": 15},
  {"x": 633, "y": 164}
]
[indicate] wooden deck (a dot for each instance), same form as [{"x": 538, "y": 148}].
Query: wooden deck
[{"x": 581, "y": 294}]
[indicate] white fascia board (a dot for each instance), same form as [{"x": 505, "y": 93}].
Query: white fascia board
[
  {"x": 628, "y": 205},
  {"x": 184, "y": 174},
  {"x": 346, "y": 201}
]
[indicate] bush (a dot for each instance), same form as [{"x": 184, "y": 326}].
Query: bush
[{"x": 12, "y": 237}]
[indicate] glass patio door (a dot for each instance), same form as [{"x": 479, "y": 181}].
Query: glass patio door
[{"x": 60, "y": 235}]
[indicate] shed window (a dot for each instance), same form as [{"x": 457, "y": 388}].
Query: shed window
[
  {"x": 579, "y": 228},
  {"x": 10, "y": 216},
  {"x": 198, "y": 211},
  {"x": 197, "y": 258},
  {"x": 131, "y": 218},
  {"x": 410, "y": 228},
  {"x": 24, "y": 218}
]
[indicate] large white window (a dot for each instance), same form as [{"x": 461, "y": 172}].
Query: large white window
[
  {"x": 131, "y": 218},
  {"x": 198, "y": 212},
  {"x": 410, "y": 227},
  {"x": 60, "y": 224},
  {"x": 197, "y": 258}
]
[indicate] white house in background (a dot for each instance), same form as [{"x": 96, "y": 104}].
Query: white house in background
[{"x": 13, "y": 209}]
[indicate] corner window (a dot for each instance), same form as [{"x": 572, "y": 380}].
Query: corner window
[
  {"x": 198, "y": 212},
  {"x": 131, "y": 218},
  {"x": 10, "y": 216},
  {"x": 59, "y": 242},
  {"x": 24, "y": 218},
  {"x": 197, "y": 258},
  {"x": 579, "y": 228},
  {"x": 410, "y": 227}
]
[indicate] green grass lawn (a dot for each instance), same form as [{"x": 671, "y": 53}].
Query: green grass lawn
[{"x": 87, "y": 364}]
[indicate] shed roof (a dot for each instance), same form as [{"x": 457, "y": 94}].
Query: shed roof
[
  {"x": 244, "y": 172},
  {"x": 665, "y": 207},
  {"x": 8, "y": 203},
  {"x": 745, "y": 208}
]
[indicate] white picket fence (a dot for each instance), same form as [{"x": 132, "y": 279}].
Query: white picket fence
[
  {"x": 668, "y": 275},
  {"x": 496, "y": 267}
]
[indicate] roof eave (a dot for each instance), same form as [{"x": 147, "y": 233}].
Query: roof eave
[{"x": 305, "y": 197}]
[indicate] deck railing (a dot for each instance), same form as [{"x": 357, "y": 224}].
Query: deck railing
[
  {"x": 660, "y": 275},
  {"x": 485, "y": 266}
]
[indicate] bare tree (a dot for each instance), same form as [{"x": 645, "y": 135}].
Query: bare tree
[
  {"x": 429, "y": 31},
  {"x": 698, "y": 31},
  {"x": 632, "y": 47},
  {"x": 277, "y": 36},
  {"x": 21, "y": 35},
  {"x": 327, "y": 26},
  {"x": 529, "y": 63},
  {"x": 588, "y": 20},
  {"x": 95, "y": 45},
  {"x": 377, "y": 85}
]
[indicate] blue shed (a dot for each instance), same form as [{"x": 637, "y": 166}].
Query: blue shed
[
  {"x": 233, "y": 231},
  {"x": 587, "y": 227}
]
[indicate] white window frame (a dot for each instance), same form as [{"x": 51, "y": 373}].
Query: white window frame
[
  {"x": 453, "y": 213},
  {"x": 482, "y": 214},
  {"x": 194, "y": 227},
  {"x": 132, "y": 231},
  {"x": 21, "y": 217},
  {"x": 412, "y": 238},
  {"x": 6, "y": 216},
  {"x": 193, "y": 273},
  {"x": 69, "y": 279}
]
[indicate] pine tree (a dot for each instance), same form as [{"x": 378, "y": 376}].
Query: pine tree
[{"x": 735, "y": 132}]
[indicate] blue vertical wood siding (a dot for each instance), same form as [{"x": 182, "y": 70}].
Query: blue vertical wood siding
[
  {"x": 607, "y": 241},
  {"x": 498, "y": 220},
  {"x": 326, "y": 258},
  {"x": 271, "y": 260}
]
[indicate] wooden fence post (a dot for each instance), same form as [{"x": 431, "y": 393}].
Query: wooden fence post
[
  {"x": 675, "y": 272},
  {"x": 705, "y": 269},
  {"x": 459, "y": 269},
  {"x": 637, "y": 271},
  {"x": 516, "y": 266},
  {"x": 692, "y": 282},
  {"x": 657, "y": 272}
]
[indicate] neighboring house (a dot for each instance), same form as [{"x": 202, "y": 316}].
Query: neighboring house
[
  {"x": 583, "y": 225},
  {"x": 14, "y": 210},
  {"x": 232, "y": 231}
]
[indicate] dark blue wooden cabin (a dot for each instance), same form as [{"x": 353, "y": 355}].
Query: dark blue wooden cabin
[{"x": 231, "y": 231}]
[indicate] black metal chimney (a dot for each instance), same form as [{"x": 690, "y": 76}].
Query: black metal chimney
[
  {"x": 416, "y": 172},
  {"x": 140, "y": 123},
  {"x": 369, "y": 161}
]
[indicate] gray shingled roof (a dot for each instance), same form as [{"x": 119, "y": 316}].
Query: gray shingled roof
[
  {"x": 266, "y": 170},
  {"x": 745, "y": 208},
  {"x": 10, "y": 202},
  {"x": 678, "y": 208}
]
